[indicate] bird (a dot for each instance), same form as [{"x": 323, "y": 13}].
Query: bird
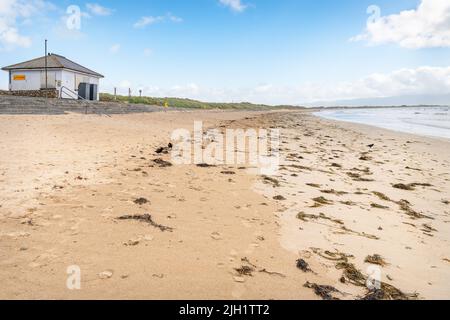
[{"x": 371, "y": 145}]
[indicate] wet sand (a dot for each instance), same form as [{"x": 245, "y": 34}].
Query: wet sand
[{"x": 66, "y": 180}]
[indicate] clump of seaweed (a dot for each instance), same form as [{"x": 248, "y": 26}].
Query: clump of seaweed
[
  {"x": 162, "y": 163},
  {"x": 358, "y": 177},
  {"x": 332, "y": 256},
  {"x": 140, "y": 201},
  {"x": 303, "y": 265},
  {"x": 405, "y": 206},
  {"x": 205, "y": 165},
  {"x": 427, "y": 229},
  {"x": 348, "y": 203},
  {"x": 245, "y": 271},
  {"x": 304, "y": 217},
  {"x": 335, "y": 192},
  {"x": 279, "y": 198},
  {"x": 365, "y": 158},
  {"x": 146, "y": 218},
  {"x": 382, "y": 196},
  {"x": 321, "y": 201},
  {"x": 323, "y": 291},
  {"x": 296, "y": 166},
  {"x": 361, "y": 234},
  {"x": 378, "y": 206},
  {"x": 376, "y": 259},
  {"x": 410, "y": 186},
  {"x": 270, "y": 180},
  {"x": 350, "y": 274},
  {"x": 314, "y": 185},
  {"x": 388, "y": 292},
  {"x": 228, "y": 172}
]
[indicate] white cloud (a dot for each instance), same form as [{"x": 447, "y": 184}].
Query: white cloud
[
  {"x": 403, "y": 82},
  {"x": 148, "y": 52},
  {"x": 12, "y": 12},
  {"x": 98, "y": 10},
  {"x": 125, "y": 84},
  {"x": 235, "y": 5},
  {"x": 145, "y": 21},
  {"x": 149, "y": 20},
  {"x": 426, "y": 26},
  {"x": 115, "y": 48},
  {"x": 173, "y": 18}
]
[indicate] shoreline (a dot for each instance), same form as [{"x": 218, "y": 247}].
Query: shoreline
[
  {"x": 317, "y": 114},
  {"x": 220, "y": 223}
]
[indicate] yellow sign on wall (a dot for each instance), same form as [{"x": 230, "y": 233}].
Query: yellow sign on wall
[{"x": 19, "y": 77}]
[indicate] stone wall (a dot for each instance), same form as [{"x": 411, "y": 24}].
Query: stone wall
[{"x": 49, "y": 93}]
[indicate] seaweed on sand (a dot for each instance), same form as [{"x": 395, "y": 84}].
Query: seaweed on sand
[
  {"x": 205, "y": 165},
  {"x": 348, "y": 203},
  {"x": 270, "y": 180},
  {"x": 378, "y": 206},
  {"x": 358, "y": 177},
  {"x": 314, "y": 185},
  {"x": 405, "y": 206},
  {"x": 361, "y": 234},
  {"x": 335, "y": 192},
  {"x": 245, "y": 271},
  {"x": 351, "y": 274},
  {"x": 279, "y": 198},
  {"x": 388, "y": 292},
  {"x": 228, "y": 172},
  {"x": 303, "y": 265},
  {"x": 304, "y": 217},
  {"x": 140, "y": 201},
  {"x": 382, "y": 196},
  {"x": 320, "y": 201},
  {"x": 365, "y": 158},
  {"x": 162, "y": 163},
  {"x": 376, "y": 259},
  {"x": 323, "y": 291},
  {"x": 332, "y": 256},
  {"x": 410, "y": 186},
  {"x": 146, "y": 218}
]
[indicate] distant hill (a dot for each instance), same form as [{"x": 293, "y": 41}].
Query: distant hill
[
  {"x": 410, "y": 100},
  {"x": 190, "y": 104}
]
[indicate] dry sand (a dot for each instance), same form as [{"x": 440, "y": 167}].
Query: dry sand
[{"x": 64, "y": 181}]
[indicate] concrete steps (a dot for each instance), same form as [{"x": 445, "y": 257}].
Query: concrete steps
[{"x": 12, "y": 105}]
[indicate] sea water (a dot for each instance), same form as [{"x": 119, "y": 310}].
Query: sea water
[{"x": 426, "y": 121}]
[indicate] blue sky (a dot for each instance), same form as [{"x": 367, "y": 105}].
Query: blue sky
[{"x": 270, "y": 51}]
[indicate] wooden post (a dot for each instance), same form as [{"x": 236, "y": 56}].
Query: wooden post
[
  {"x": 115, "y": 93},
  {"x": 129, "y": 92},
  {"x": 140, "y": 93}
]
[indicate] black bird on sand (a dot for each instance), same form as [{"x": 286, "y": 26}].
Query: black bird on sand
[{"x": 371, "y": 145}]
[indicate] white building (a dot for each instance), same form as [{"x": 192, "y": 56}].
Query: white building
[{"x": 70, "y": 79}]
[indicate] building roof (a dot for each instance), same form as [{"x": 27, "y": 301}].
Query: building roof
[{"x": 54, "y": 61}]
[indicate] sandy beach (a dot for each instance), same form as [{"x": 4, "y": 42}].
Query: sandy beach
[{"x": 349, "y": 200}]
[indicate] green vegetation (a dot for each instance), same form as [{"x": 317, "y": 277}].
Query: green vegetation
[{"x": 187, "y": 103}]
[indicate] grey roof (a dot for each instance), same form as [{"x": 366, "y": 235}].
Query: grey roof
[{"x": 54, "y": 61}]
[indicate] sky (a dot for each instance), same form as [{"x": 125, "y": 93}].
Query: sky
[{"x": 261, "y": 51}]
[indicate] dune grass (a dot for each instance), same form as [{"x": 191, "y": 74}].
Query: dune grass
[{"x": 188, "y": 103}]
